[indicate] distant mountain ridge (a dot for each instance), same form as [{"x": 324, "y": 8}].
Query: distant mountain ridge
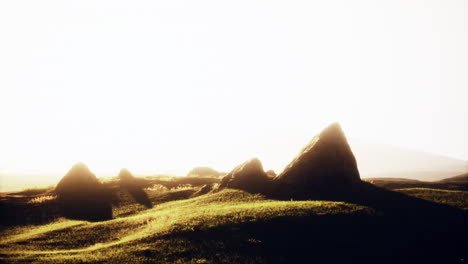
[
  {"x": 380, "y": 160},
  {"x": 456, "y": 179}
]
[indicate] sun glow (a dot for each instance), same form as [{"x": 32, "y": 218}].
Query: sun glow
[{"x": 162, "y": 87}]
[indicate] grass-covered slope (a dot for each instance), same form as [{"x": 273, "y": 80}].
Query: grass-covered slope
[
  {"x": 163, "y": 232},
  {"x": 237, "y": 227},
  {"x": 456, "y": 199}
]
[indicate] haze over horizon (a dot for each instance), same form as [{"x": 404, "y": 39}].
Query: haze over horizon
[
  {"x": 374, "y": 160},
  {"x": 170, "y": 85}
]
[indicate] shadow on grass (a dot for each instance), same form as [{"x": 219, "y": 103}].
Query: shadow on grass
[
  {"x": 404, "y": 229},
  {"x": 340, "y": 238},
  {"x": 17, "y": 211},
  {"x": 134, "y": 186}
]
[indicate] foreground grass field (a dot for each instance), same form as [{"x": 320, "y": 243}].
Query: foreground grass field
[
  {"x": 237, "y": 227},
  {"x": 131, "y": 236}
]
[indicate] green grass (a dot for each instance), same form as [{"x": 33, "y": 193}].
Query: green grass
[
  {"x": 457, "y": 199},
  {"x": 127, "y": 236},
  {"x": 237, "y": 227}
]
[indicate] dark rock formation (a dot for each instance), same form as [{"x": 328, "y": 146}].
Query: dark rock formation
[
  {"x": 325, "y": 168},
  {"x": 248, "y": 176},
  {"x": 82, "y": 196},
  {"x": 135, "y": 187},
  {"x": 204, "y": 172}
]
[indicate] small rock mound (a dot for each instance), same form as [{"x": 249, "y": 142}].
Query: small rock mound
[
  {"x": 82, "y": 196},
  {"x": 271, "y": 173},
  {"x": 326, "y": 167},
  {"x": 204, "y": 172},
  {"x": 135, "y": 187},
  {"x": 249, "y": 176}
]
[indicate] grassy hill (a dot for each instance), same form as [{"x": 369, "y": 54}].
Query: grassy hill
[
  {"x": 462, "y": 179},
  {"x": 237, "y": 227},
  {"x": 156, "y": 233},
  {"x": 454, "y": 198}
]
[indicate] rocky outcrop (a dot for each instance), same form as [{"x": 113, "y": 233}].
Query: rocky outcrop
[
  {"x": 134, "y": 186},
  {"x": 325, "y": 168},
  {"x": 248, "y": 176},
  {"x": 82, "y": 196}
]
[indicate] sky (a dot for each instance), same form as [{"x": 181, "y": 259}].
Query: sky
[{"x": 164, "y": 86}]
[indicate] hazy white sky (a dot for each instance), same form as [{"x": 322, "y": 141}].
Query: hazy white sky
[{"x": 163, "y": 86}]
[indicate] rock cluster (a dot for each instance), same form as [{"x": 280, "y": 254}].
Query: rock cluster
[{"x": 326, "y": 168}]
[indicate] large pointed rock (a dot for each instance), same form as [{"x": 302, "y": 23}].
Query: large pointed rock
[
  {"x": 78, "y": 179},
  {"x": 82, "y": 196},
  {"x": 248, "y": 176},
  {"x": 326, "y": 167}
]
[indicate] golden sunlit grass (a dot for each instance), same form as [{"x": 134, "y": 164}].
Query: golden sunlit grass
[
  {"x": 56, "y": 241},
  {"x": 42, "y": 199}
]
